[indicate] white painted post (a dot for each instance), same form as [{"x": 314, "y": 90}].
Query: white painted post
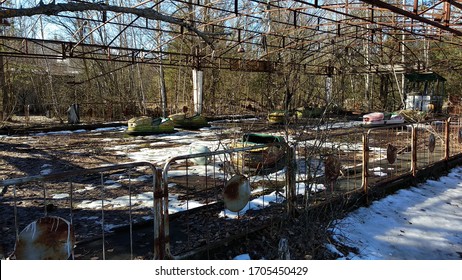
[{"x": 198, "y": 80}]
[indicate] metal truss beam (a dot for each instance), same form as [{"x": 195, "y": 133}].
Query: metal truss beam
[{"x": 411, "y": 15}]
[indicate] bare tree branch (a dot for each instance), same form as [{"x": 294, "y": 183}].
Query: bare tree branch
[{"x": 55, "y": 9}]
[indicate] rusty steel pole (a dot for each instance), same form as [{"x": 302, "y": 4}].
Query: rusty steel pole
[
  {"x": 365, "y": 162},
  {"x": 414, "y": 151},
  {"x": 290, "y": 180},
  {"x": 161, "y": 220},
  {"x": 447, "y": 126}
]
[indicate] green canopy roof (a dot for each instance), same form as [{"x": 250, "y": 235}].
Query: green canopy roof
[{"x": 423, "y": 77}]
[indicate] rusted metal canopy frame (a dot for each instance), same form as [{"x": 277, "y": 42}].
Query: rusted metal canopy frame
[
  {"x": 177, "y": 59},
  {"x": 411, "y": 15},
  {"x": 59, "y": 50}
]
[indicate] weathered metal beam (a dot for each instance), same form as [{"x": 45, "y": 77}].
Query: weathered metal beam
[
  {"x": 447, "y": 139},
  {"x": 447, "y": 13},
  {"x": 365, "y": 159},
  {"x": 411, "y": 15},
  {"x": 455, "y": 4}
]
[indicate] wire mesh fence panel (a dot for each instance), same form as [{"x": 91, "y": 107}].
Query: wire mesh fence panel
[
  {"x": 455, "y": 136},
  {"x": 95, "y": 202},
  {"x": 328, "y": 164},
  {"x": 389, "y": 153},
  {"x": 430, "y": 142},
  {"x": 221, "y": 196}
]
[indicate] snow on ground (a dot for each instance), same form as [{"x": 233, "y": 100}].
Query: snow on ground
[{"x": 419, "y": 223}]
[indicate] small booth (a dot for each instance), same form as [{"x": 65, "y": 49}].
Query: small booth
[{"x": 424, "y": 91}]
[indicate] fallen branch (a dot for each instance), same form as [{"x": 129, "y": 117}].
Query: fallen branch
[{"x": 55, "y": 9}]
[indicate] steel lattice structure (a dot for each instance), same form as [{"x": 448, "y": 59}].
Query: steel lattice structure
[{"x": 247, "y": 35}]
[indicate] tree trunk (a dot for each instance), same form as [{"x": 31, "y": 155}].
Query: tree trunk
[
  {"x": 163, "y": 91},
  {"x": 5, "y": 108}
]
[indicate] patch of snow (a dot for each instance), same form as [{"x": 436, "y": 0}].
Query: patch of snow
[
  {"x": 419, "y": 223},
  {"x": 46, "y": 171},
  {"x": 60, "y": 195}
]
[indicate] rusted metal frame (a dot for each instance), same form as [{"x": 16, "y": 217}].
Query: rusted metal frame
[
  {"x": 447, "y": 13},
  {"x": 4, "y": 47},
  {"x": 219, "y": 152},
  {"x": 365, "y": 163},
  {"x": 212, "y": 153},
  {"x": 447, "y": 139},
  {"x": 103, "y": 233},
  {"x": 291, "y": 180},
  {"x": 416, "y": 7},
  {"x": 121, "y": 31},
  {"x": 299, "y": 12},
  {"x": 161, "y": 219},
  {"x": 413, "y": 150},
  {"x": 94, "y": 48},
  {"x": 366, "y": 150},
  {"x": 319, "y": 17},
  {"x": 458, "y": 136},
  {"x": 128, "y": 58},
  {"x": 411, "y": 15},
  {"x": 429, "y": 8},
  {"x": 106, "y": 22},
  {"x": 306, "y": 44},
  {"x": 454, "y": 3},
  {"x": 130, "y": 211},
  {"x": 68, "y": 174},
  {"x": 391, "y": 26},
  {"x": 163, "y": 177},
  {"x": 15, "y": 212}
]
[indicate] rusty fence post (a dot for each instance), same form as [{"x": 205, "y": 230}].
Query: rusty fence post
[
  {"x": 291, "y": 179},
  {"x": 414, "y": 151},
  {"x": 161, "y": 222},
  {"x": 447, "y": 140},
  {"x": 365, "y": 162}
]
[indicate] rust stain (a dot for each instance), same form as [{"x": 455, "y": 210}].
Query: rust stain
[
  {"x": 431, "y": 143},
  {"x": 231, "y": 190},
  {"x": 48, "y": 238},
  {"x": 332, "y": 168},
  {"x": 391, "y": 153}
]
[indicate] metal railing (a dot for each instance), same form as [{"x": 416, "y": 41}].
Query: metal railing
[
  {"x": 195, "y": 197},
  {"x": 121, "y": 196},
  {"x": 329, "y": 164},
  {"x": 402, "y": 150}
]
